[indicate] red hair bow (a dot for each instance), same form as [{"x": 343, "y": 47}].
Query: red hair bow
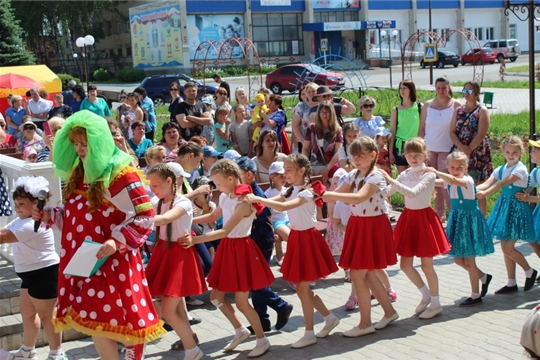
[{"x": 244, "y": 189}]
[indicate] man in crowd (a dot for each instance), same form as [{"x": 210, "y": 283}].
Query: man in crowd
[{"x": 191, "y": 114}]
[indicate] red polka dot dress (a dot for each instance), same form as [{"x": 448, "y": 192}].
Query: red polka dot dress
[{"x": 115, "y": 302}]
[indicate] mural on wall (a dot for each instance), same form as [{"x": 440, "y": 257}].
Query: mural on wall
[
  {"x": 156, "y": 37},
  {"x": 336, "y": 4},
  {"x": 214, "y": 27}
]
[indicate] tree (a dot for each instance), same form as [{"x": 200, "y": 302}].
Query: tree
[{"x": 12, "y": 48}]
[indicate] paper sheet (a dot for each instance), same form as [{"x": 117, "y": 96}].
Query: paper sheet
[{"x": 84, "y": 262}]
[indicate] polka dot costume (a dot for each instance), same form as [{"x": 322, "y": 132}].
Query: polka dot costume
[
  {"x": 5, "y": 205},
  {"x": 115, "y": 302}
]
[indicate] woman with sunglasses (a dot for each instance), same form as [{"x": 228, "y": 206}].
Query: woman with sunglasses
[
  {"x": 29, "y": 138},
  {"x": 122, "y": 111},
  {"x": 370, "y": 125},
  {"x": 174, "y": 90},
  {"x": 435, "y": 122},
  {"x": 468, "y": 130},
  {"x": 222, "y": 99}
]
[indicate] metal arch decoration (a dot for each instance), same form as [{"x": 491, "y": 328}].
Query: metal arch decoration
[
  {"x": 232, "y": 50},
  {"x": 413, "y": 42},
  {"x": 522, "y": 10}
]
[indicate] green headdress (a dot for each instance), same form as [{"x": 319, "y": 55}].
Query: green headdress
[{"x": 103, "y": 161}]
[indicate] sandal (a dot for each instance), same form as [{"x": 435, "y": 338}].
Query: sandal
[
  {"x": 179, "y": 346},
  {"x": 351, "y": 303}
]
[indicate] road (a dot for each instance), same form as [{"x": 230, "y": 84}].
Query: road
[{"x": 380, "y": 77}]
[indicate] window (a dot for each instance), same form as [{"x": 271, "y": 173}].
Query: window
[
  {"x": 128, "y": 51},
  {"x": 274, "y": 34},
  {"x": 120, "y": 52},
  {"x": 490, "y": 32},
  {"x": 128, "y": 27},
  {"x": 109, "y": 28},
  {"x": 118, "y": 27},
  {"x": 479, "y": 33},
  {"x": 335, "y": 16},
  {"x": 513, "y": 31}
]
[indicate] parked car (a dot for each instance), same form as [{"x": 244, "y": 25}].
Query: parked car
[
  {"x": 479, "y": 56},
  {"x": 505, "y": 49},
  {"x": 291, "y": 77},
  {"x": 157, "y": 87},
  {"x": 444, "y": 58}
]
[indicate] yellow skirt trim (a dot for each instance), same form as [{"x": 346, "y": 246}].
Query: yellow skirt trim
[{"x": 122, "y": 333}]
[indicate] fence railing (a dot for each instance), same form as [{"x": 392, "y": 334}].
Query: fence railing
[{"x": 12, "y": 169}]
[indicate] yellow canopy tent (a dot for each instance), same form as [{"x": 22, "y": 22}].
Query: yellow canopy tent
[{"x": 40, "y": 73}]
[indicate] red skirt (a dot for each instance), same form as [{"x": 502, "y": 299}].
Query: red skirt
[
  {"x": 175, "y": 271},
  {"x": 420, "y": 233},
  {"x": 308, "y": 257},
  {"x": 239, "y": 266},
  {"x": 368, "y": 243}
]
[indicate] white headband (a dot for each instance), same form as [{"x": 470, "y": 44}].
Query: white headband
[{"x": 33, "y": 184}]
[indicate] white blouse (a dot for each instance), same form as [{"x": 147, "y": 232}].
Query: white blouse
[
  {"x": 416, "y": 186},
  {"x": 305, "y": 216},
  {"x": 468, "y": 191},
  {"x": 376, "y": 204},
  {"x": 180, "y": 226},
  {"x": 228, "y": 205},
  {"x": 519, "y": 170},
  {"x": 342, "y": 211}
]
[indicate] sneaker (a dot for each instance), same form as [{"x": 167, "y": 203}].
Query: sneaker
[
  {"x": 194, "y": 302},
  {"x": 18, "y": 354},
  {"x": 135, "y": 352},
  {"x": 60, "y": 356},
  {"x": 351, "y": 303},
  {"x": 392, "y": 295}
]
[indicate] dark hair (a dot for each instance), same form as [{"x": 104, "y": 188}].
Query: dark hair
[
  {"x": 221, "y": 109},
  {"x": 20, "y": 193},
  {"x": 164, "y": 172},
  {"x": 351, "y": 126},
  {"x": 136, "y": 124},
  {"x": 140, "y": 90},
  {"x": 412, "y": 90},
  {"x": 190, "y": 84},
  {"x": 139, "y": 104},
  {"x": 262, "y": 136},
  {"x": 175, "y": 84},
  {"x": 278, "y": 100},
  {"x": 190, "y": 147},
  {"x": 92, "y": 87},
  {"x": 300, "y": 161},
  {"x": 447, "y": 82},
  {"x": 476, "y": 88},
  {"x": 167, "y": 126},
  {"x": 80, "y": 91},
  {"x": 216, "y": 76},
  {"x": 359, "y": 146}
]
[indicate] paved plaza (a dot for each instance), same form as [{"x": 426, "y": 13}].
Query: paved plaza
[{"x": 487, "y": 331}]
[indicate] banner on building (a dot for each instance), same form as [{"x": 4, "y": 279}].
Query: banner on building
[
  {"x": 156, "y": 37},
  {"x": 336, "y": 4},
  {"x": 214, "y": 27}
]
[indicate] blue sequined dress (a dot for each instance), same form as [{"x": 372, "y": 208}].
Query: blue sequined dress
[
  {"x": 466, "y": 228},
  {"x": 5, "y": 205},
  {"x": 511, "y": 219}
]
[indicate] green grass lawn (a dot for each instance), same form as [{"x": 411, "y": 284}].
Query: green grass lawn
[
  {"x": 502, "y": 125},
  {"x": 516, "y": 69},
  {"x": 509, "y": 84}
]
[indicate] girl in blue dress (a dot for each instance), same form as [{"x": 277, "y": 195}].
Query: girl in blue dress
[
  {"x": 510, "y": 219},
  {"x": 467, "y": 230}
]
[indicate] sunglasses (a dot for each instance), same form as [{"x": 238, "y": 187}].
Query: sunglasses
[
  {"x": 222, "y": 93},
  {"x": 467, "y": 91},
  {"x": 123, "y": 97},
  {"x": 173, "y": 89},
  {"x": 368, "y": 106},
  {"x": 28, "y": 128}
]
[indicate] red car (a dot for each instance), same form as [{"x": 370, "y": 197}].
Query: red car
[
  {"x": 479, "y": 56},
  {"x": 292, "y": 77}
]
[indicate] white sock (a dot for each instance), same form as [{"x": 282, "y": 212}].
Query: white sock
[
  {"x": 56, "y": 352},
  {"x": 426, "y": 295},
  {"x": 262, "y": 341},
  {"x": 189, "y": 317},
  {"x": 308, "y": 334},
  {"x": 483, "y": 279},
  {"x": 475, "y": 295},
  {"x": 529, "y": 272},
  {"x": 435, "y": 302},
  {"x": 239, "y": 331},
  {"x": 191, "y": 353},
  {"x": 27, "y": 348},
  {"x": 329, "y": 319},
  {"x": 511, "y": 282}
]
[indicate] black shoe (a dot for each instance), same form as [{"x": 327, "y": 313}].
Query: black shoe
[
  {"x": 265, "y": 325},
  {"x": 507, "y": 289},
  {"x": 179, "y": 346},
  {"x": 486, "y": 285},
  {"x": 529, "y": 282},
  {"x": 283, "y": 317},
  {"x": 195, "y": 321},
  {"x": 167, "y": 327},
  {"x": 470, "y": 301}
]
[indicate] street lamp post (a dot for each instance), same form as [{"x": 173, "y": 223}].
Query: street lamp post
[
  {"x": 389, "y": 39},
  {"x": 84, "y": 43}
]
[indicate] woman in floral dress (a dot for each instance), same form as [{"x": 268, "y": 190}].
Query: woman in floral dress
[
  {"x": 468, "y": 131},
  {"x": 105, "y": 202}
]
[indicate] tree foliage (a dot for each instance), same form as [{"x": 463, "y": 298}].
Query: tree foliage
[{"x": 12, "y": 49}]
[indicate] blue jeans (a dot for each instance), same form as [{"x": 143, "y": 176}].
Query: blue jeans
[
  {"x": 266, "y": 297},
  {"x": 205, "y": 257}
]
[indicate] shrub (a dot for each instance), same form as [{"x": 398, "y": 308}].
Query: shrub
[
  {"x": 101, "y": 75},
  {"x": 130, "y": 75},
  {"x": 65, "y": 78}
]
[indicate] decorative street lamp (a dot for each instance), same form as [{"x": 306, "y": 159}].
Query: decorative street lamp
[
  {"x": 389, "y": 39},
  {"x": 527, "y": 11},
  {"x": 84, "y": 43}
]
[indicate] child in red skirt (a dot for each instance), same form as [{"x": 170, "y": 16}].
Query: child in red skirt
[
  {"x": 368, "y": 246},
  {"x": 239, "y": 266},
  {"x": 308, "y": 257},
  {"x": 173, "y": 271},
  {"x": 419, "y": 231}
]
